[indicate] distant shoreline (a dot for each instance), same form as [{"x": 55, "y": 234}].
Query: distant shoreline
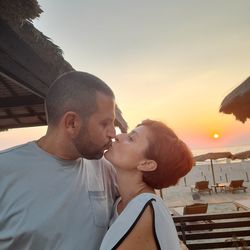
[{"x": 232, "y": 149}]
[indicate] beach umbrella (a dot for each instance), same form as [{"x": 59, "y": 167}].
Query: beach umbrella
[
  {"x": 211, "y": 157},
  {"x": 238, "y": 102},
  {"x": 241, "y": 155}
]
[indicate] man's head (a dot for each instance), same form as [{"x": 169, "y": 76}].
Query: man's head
[{"x": 82, "y": 106}]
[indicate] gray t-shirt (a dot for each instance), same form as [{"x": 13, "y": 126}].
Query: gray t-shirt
[{"x": 50, "y": 203}]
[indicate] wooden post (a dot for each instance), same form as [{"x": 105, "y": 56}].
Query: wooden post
[
  {"x": 212, "y": 167},
  {"x": 161, "y": 194},
  {"x": 247, "y": 177},
  {"x": 185, "y": 181},
  {"x": 226, "y": 177}
]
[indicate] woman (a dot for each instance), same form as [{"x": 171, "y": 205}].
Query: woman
[{"x": 150, "y": 157}]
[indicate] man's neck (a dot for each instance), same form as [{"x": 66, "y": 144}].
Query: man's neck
[{"x": 57, "y": 146}]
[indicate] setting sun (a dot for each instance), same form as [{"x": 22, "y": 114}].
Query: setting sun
[{"x": 216, "y": 136}]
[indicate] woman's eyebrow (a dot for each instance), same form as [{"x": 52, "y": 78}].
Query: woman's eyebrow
[{"x": 133, "y": 132}]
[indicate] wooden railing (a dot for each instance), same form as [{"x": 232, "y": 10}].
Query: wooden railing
[{"x": 211, "y": 231}]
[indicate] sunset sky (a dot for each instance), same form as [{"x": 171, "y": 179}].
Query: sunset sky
[{"x": 173, "y": 61}]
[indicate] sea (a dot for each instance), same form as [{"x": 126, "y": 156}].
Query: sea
[{"x": 232, "y": 149}]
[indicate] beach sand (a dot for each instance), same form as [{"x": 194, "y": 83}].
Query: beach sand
[{"x": 181, "y": 195}]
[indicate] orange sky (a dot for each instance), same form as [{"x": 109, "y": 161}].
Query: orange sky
[{"x": 169, "y": 60}]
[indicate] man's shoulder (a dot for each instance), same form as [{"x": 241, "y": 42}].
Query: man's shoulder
[{"x": 14, "y": 150}]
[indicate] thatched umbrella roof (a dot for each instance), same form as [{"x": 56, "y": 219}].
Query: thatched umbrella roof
[
  {"x": 211, "y": 157},
  {"x": 19, "y": 15},
  {"x": 241, "y": 155},
  {"x": 29, "y": 63},
  {"x": 238, "y": 102}
]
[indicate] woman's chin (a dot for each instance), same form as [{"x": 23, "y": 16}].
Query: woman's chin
[{"x": 107, "y": 155}]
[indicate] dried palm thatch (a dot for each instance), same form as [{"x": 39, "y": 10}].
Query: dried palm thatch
[
  {"x": 241, "y": 155},
  {"x": 3, "y": 130},
  {"x": 16, "y": 11},
  {"x": 19, "y": 15},
  {"x": 238, "y": 102},
  {"x": 44, "y": 47}
]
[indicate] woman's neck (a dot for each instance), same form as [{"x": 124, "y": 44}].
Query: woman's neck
[{"x": 131, "y": 184}]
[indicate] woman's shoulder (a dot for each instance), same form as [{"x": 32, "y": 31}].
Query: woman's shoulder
[
  {"x": 143, "y": 199},
  {"x": 144, "y": 217},
  {"x": 133, "y": 228},
  {"x": 141, "y": 234}
]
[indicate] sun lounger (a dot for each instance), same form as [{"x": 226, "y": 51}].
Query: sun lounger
[
  {"x": 235, "y": 185},
  {"x": 196, "y": 208},
  {"x": 243, "y": 204},
  {"x": 201, "y": 186}
]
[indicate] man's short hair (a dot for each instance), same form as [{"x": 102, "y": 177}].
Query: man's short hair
[{"x": 74, "y": 91}]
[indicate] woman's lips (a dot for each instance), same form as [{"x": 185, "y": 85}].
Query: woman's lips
[{"x": 108, "y": 145}]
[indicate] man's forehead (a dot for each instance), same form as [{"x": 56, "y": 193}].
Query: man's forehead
[
  {"x": 105, "y": 109},
  {"x": 107, "y": 116},
  {"x": 101, "y": 97},
  {"x": 105, "y": 113}
]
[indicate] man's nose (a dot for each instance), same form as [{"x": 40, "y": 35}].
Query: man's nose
[{"x": 111, "y": 132}]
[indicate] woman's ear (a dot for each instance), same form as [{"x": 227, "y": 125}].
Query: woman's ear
[{"x": 147, "y": 165}]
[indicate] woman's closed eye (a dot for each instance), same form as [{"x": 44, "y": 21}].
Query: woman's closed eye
[{"x": 130, "y": 137}]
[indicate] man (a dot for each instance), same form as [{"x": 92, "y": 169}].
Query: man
[{"x": 52, "y": 195}]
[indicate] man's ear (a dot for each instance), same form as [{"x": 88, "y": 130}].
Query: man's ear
[
  {"x": 72, "y": 122},
  {"x": 147, "y": 165}
]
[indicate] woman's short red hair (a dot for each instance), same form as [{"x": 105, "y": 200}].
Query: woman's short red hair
[{"x": 173, "y": 157}]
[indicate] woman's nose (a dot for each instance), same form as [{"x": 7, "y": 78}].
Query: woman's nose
[{"x": 119, "y": 137}]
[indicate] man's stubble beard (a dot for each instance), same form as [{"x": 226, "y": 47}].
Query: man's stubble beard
[{"x": 85, "y": 147}]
